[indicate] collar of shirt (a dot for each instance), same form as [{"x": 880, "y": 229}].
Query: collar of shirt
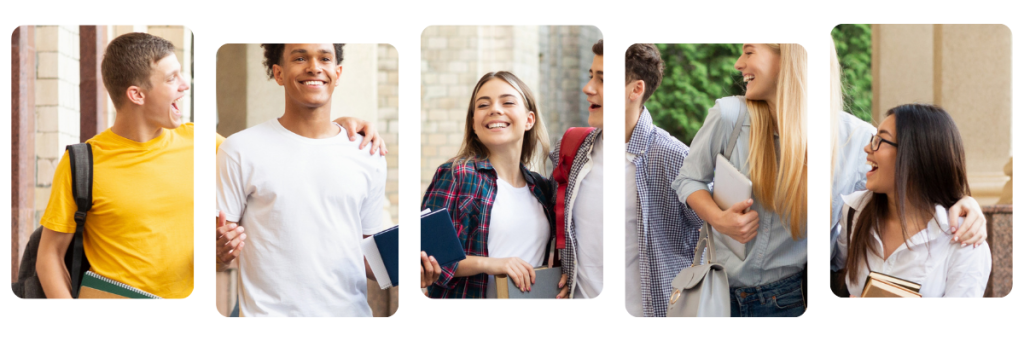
[
  {"x": 937, "y": 226},
  {"x": 640, "y": 141}
]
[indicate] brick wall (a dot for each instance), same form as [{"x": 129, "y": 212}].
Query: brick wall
[
  {"x": 552, "y": 61},
  {"x": 387, "y": 117}
]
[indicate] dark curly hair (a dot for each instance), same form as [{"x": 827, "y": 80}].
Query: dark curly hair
[
  {"x": 643, "y": 62},
  {"x": 598, "y": 48},
  {"x": 272, "y": 54}
]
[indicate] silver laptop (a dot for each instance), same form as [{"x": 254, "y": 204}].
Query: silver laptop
[{"x": 731, "y": 187}]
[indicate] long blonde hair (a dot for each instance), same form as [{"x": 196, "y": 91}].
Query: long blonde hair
[
  {"x": 782, "y": 187},
  {"x": 535, "y": 140},
  {"x": 835, "y": 110}
]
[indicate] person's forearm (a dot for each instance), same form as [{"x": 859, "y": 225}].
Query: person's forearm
[
  {"x": 472, "y": 265},
  {"x": 705, "y": 207},
  {"x": 53, "y": 275}
]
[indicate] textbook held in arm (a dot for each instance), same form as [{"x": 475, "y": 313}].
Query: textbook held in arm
[
  {"x": 731, "y": 187},
  {"x": 881, "y": 285},
  {"x": 96, "y": 286},
  {"x": 381, "y": 252},
  {"x": 438, "y": 238},
  {"x": 546, "y": 285}
]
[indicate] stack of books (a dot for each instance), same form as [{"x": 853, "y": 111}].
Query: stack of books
[{"x": 882, "y": 285}]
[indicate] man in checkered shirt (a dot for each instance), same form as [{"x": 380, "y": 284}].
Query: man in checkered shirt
[
  {"x": 660, "y": 232},
  {"x": 583, "y": 255}
]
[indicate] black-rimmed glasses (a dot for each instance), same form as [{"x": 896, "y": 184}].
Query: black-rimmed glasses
[{"x": 876, "y": 141}]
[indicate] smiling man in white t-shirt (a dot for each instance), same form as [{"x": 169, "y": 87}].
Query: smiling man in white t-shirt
[{"x": 303, "y": 194}]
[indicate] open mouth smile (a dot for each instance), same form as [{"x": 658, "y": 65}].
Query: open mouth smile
[{"x": 497, "y": 125}]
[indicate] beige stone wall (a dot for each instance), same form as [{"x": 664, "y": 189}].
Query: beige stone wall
[
  {"x": 549, "y": 59},
  {"x": 387, "y": 117},
  {"x": 964, "y": 69}
]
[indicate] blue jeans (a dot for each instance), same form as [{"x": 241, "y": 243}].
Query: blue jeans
[{"x": 783, "y": 298}]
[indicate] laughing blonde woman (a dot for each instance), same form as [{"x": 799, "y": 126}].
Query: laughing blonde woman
[{"x": 767, "y": 279}]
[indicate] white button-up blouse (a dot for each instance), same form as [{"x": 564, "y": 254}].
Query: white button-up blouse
[{"x": 930, "y": 257}]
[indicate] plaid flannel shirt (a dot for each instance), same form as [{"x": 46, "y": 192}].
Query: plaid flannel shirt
[
  {"x": 467, "y": 189},
  {"x": 667, "y": 231},
  {"x": 568, "y": 255}
]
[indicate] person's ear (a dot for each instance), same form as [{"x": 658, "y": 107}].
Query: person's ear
[
  {"x": 136, "y": 95},
  {"x": 530, "y": 119},
  {"x": 337, "y": 73},
  {"x": 637, "y": 92},
  {"x": 278, "y": 74}
]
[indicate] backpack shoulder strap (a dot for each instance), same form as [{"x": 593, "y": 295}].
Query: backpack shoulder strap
[
  {"x": 80, "y": 155},
  {"x": 849, "y": 222},
  {"x": 740, "y": 119},
  {"x": 567, "y": 150}
]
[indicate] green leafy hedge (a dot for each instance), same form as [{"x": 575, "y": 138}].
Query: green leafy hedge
[
  {"x": 853, "y": 45},
  {"x": 695, "y": 76}
]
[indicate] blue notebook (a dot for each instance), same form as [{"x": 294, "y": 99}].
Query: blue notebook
[
  {"x": 438, "y": 238},
  {"x": 381, "y": 252}
]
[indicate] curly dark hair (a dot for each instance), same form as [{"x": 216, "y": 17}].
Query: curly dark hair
[
  {"x": 272, "y": 54},
  {"x": 643, "y": 62},
  {"x": 598, "y": 47}
]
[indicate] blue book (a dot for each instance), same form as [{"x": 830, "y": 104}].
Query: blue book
[
  {"x": 381, "y": 252},
  {"x": 438, "y": 238}
]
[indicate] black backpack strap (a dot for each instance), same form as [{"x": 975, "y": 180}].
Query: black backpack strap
[{"x": 80, "y": 155}]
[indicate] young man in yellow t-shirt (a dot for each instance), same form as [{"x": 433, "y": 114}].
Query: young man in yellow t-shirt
[{"x": 140, "y": 229}]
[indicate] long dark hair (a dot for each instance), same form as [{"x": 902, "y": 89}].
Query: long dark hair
[{"x": 931, "y": 169}]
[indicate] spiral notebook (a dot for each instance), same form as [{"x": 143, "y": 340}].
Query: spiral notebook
[{"x": 96, "y": 286}]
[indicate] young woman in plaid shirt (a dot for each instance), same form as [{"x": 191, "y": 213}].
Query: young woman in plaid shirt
[{"x": 503, "y": 232}]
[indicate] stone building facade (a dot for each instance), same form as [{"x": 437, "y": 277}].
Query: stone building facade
[{"x": 552, "y": 60}]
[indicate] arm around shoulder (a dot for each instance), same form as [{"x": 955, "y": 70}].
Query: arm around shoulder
[{"x": 968, "y": 271}]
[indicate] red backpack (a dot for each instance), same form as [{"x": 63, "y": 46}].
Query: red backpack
[{"x": 567, "y": 151}]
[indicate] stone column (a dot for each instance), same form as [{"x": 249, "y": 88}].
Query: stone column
[
  {"x": 56, "y": 103},
  {"x": 23, "y": 65},
  {"x": 964, "y": 69},
  {"x": 93, "y": 96},
  {"x": 231, "y": 85}
]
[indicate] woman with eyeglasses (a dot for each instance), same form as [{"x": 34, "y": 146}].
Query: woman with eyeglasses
[
  {"x": 899, "y": 226},
  {"x": 849, "y": 135}
]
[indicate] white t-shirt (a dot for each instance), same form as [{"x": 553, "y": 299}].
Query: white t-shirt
[
  {"x": 518, "y": 228},
  {"x": 305, "y": 205},
  {"x": 588, "y": 216},
  {"x": 634, "y": 303}
]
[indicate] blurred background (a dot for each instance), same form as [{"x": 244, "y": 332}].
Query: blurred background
[
  {"x": 368, "y": 90},
  {"x": 552, "y": 60},
  {"x": 58, "y": 99},
  {"x": 966, "y": 70}
]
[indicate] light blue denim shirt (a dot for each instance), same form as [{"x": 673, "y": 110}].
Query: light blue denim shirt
[
  {"x": 773, "y": 254},
  {"x": 850, "y": 169}
]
